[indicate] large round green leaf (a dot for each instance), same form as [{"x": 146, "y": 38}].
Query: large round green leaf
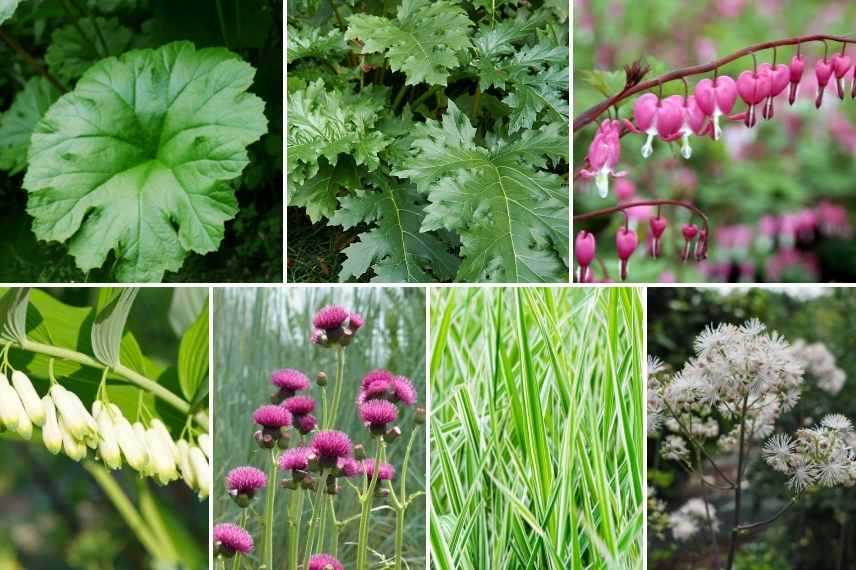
[{"x": 136, "y": 158}]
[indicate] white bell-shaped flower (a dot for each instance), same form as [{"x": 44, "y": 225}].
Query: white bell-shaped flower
[
  {"x": 132, "y": 447},
  {"x": 29, "y": 397},
  {"x": 202, "y": 471},
  {"x": 108, "y": 444},
  {"x": 51, "y": 434}
]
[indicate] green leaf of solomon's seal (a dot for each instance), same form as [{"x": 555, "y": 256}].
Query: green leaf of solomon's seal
[{"x": 137, "y": 157}]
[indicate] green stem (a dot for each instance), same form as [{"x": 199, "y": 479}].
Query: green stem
[
  {"x": 123, "y": 504},
  {"x": 476, "y": 103},
  {"x": 222, "y": 19},
  {"x": 399, "y": 535},
  {"x": 428, "y": 92},
  {"x": 295, "y": 514},
  {"x": 334, "y": 550},
  {"x": 236, "y": 563},
  {"x": 337, "y": 389},
  {"x": 367, "y": 500},
  {"x": 313, "y": 522},
  {"x": 267, "y": 552},
  {"x": 131, "y": 376},
  {"x": 399, "y": 97}
]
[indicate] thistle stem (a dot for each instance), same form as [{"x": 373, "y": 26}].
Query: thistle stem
[
  {"x": 267, "y": 551},
  {"x": 313, "y": 522},
  {"x": 366, "y": 500},
  {"x": 295, "y": 513},
  {"x": 236, "y": 563},
  {"x": 337, "y": 389}
]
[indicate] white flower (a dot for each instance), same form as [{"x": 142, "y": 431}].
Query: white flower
[
  {"x": 837, "y": 422},
  {"x": 202, "y": 471},
  {"x": 29, "y": 397},
  {"x": 73, "y": 415},
  {"x": 778, "y": 451},
  {"x": 51, "y": 435},
  {"x": 133, "y": 448},
  {"x": 205, "y": 445},
  {"x": 803, "y": 476},
  {"x": 108, "y": 444},
  {"x": 674, "y": 447},
  {"x": 184, "y": 464},
  {"x": 9, "y": 404},
  {"x": 72, "y": 446},
  {"x": 161, "y": 459}
]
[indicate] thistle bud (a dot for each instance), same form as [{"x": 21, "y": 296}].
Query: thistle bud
[
  {"x": 419, "y": 415},
  {"x": 309, "y": 483},
  {"x": 9, "y": 404},
  {"x": 133, "y": 448},
  {"x": 51, "y": 435},
  {"x": 321, "y": 379},
  {"x": 161, "y": 458},
  {"x": 381, "y": 492},
  {"x": 72, "y": 446},
  {"x": 29, "y": 397},
  {"x": 205, "y": 445},
  {"x": 392, "y": 434},
  {"x": 184, "y": 465},
  {"x": 290, "y": 484},
  {"x": 108, "y": 445}
]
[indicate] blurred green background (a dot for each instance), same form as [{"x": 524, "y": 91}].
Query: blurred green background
[
  {"x": 787, "y": 166},
  {"x": 259, "y": 330},
  {"x": 53, "y": 515},
  {"x": 819, "y": 532}
]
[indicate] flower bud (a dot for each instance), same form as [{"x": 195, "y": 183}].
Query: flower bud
[
  {"x": 161, "y": 457},
  {"x": 72, "y": 446},
  {"x": 321, "y": 379},
  {"x": 419, "y": 415},
  {"x": 108, "y": 445},
  {"x": 290, "y": 484},
  {"x": 29, "y": 397},
  {"x": 129, "y": 441},
  {"x": 51, "y": 435},
  {"x": 9, "y": 404},
  {"x": 205, "y": 445},
  {"x": 359, "y": 452},
  {"x": 392, "y": 434}
]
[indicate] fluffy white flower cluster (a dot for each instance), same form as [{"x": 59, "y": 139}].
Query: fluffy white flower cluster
[
  {"x": 688, "y": 520},
  {"x": 737, "y": 372},
  {"x": 658, "y": 520},
  {"x": 820, "y": 363},
  {"x": 822, "y": 455},
  {"x": 69, "y": 427}
]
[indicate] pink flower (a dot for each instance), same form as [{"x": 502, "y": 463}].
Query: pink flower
[
  {"x": 271, "y": 416},
  {"x": 289, "y": 380},
  {"x": 625, "y": 242},
  {"x": 658, "y": 226},
  {"x": 716, "y": 97},
  {"x": 584, "y": 251},
  {"x": 229, "y": 539},
  {"x": 795, "y": 69},
  {"x": 300, "y": 405},
  {"x": 780, "y": 76},
  {"x": 753, "y": 87},
  {"x": 357, "y": 322},
  {"x": 603, "y": 155},
  {"x": 245, "y": 480},
  {"x": 823, "y": 70},
  {"x": 330, "y": 446},
  {"x": 306, "y": 423},
  {"x": 378, "y": 375},
  {"x": 689, "y": 231},
  {"x": 624, "y": 189},
  {"x": 295, "y": 458},
  {"x": 329, "y": 318},
  {"x": 657, "y": 118},
  {"x": 324, "y": 562},
  {"x": 377, "y": 413},
  {"x": 694, "y": 122},
  {"x": 841, "y": 64},
  {"x": 335, "y": 326},
  {"x": 386, "y": 472},
  {"x": 403, "y": 391},
  {"x": 349, "y": 467}
]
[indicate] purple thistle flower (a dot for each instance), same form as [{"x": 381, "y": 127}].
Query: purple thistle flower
[
  {"x": 357, "y": 322},
  {"x": 386, "y": 472},
  {"x": 404, "y": 391},
  {"x": 324, "y": 562},
  {"x": 295, "y": 458},
  {"x": 305, "y": 423},
  {"x": 378, "y": 375},
  {"x": 229, "y": 539},
  {"x": 330, "y": 446},
  {"x": 377, "y": 413},
  {"x": 330, "y": 318},
  {"x": 300, "y": 405},
  {"x": 378, "y": 389},
  {"x": 289, "y": 380},
  {"x": 318, "y": 337},
  {"x": 245, "y": 480},
  {"x": 273, "y": 417},
  {"x": 349, "y": 467}
]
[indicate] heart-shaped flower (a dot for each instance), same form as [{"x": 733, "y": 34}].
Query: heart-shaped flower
[
  {"x": 655, "y": 117},
  {"x": 753, "y": 87},
  {"x": 780, "y": 76},
  {"x": 689, "y": 231},
  {"x": 841, "y": 64},
  {"x": 658, "y": 226},
  {"x": 716, "y": 97},
  {"x": 584, "y": 251},
  {"x": 626, "y": 241},
  {"x": 796, "y": 68},
  {"x": 603, "y": 155},
  {"x": 823, "y": 71}
]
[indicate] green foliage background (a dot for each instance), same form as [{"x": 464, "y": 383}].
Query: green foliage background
[
  {"x": 261, "y": 330},
  {"x": 793, "y": 163},
  {"x": 822, "y": 526}
]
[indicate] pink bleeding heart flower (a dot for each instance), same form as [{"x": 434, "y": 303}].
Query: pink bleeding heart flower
[
  {"x": 795, "y": 69},
  {"x": 716, "y": 97},
  {"x": 853, "y": 91},
  {"x": 841, "y": 64},
  {"x": 700, "y": 251},
  {"x": 657, "y": 118},
  {"x": 690, "y": 231},
  {"x": 624, "y": 189},
  {"x": 603, "y": 156},
  {"x": 780, "y": 76},
  {"x": 584, "y": 250},
  {"x": 823, "y": 71},
  {"x": 753, "y": 87},
  {"x": 658, "y": 226},
  {"x": 626, "y": 241},
  {"x": 694, "y": 121}
]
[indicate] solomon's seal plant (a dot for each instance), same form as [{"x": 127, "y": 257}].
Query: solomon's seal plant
[
  {"x": 133, "y": 146},
  {"x": 697, "y": 111},
  {"x": 77, "y": 382},
  {"x": 729, "y": 396},
  {"x": 434, "y": 134},
  {"x": 320, "y": 467}
]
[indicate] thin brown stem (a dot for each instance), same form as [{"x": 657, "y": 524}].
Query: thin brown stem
[
  {"x": 591, "y": 114},
  {"x": 738, "y": 488},
  {"x": 658, "y": 203},
  {"x": 31, "y": 61},
  {"x": 770, "y": 520}
]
